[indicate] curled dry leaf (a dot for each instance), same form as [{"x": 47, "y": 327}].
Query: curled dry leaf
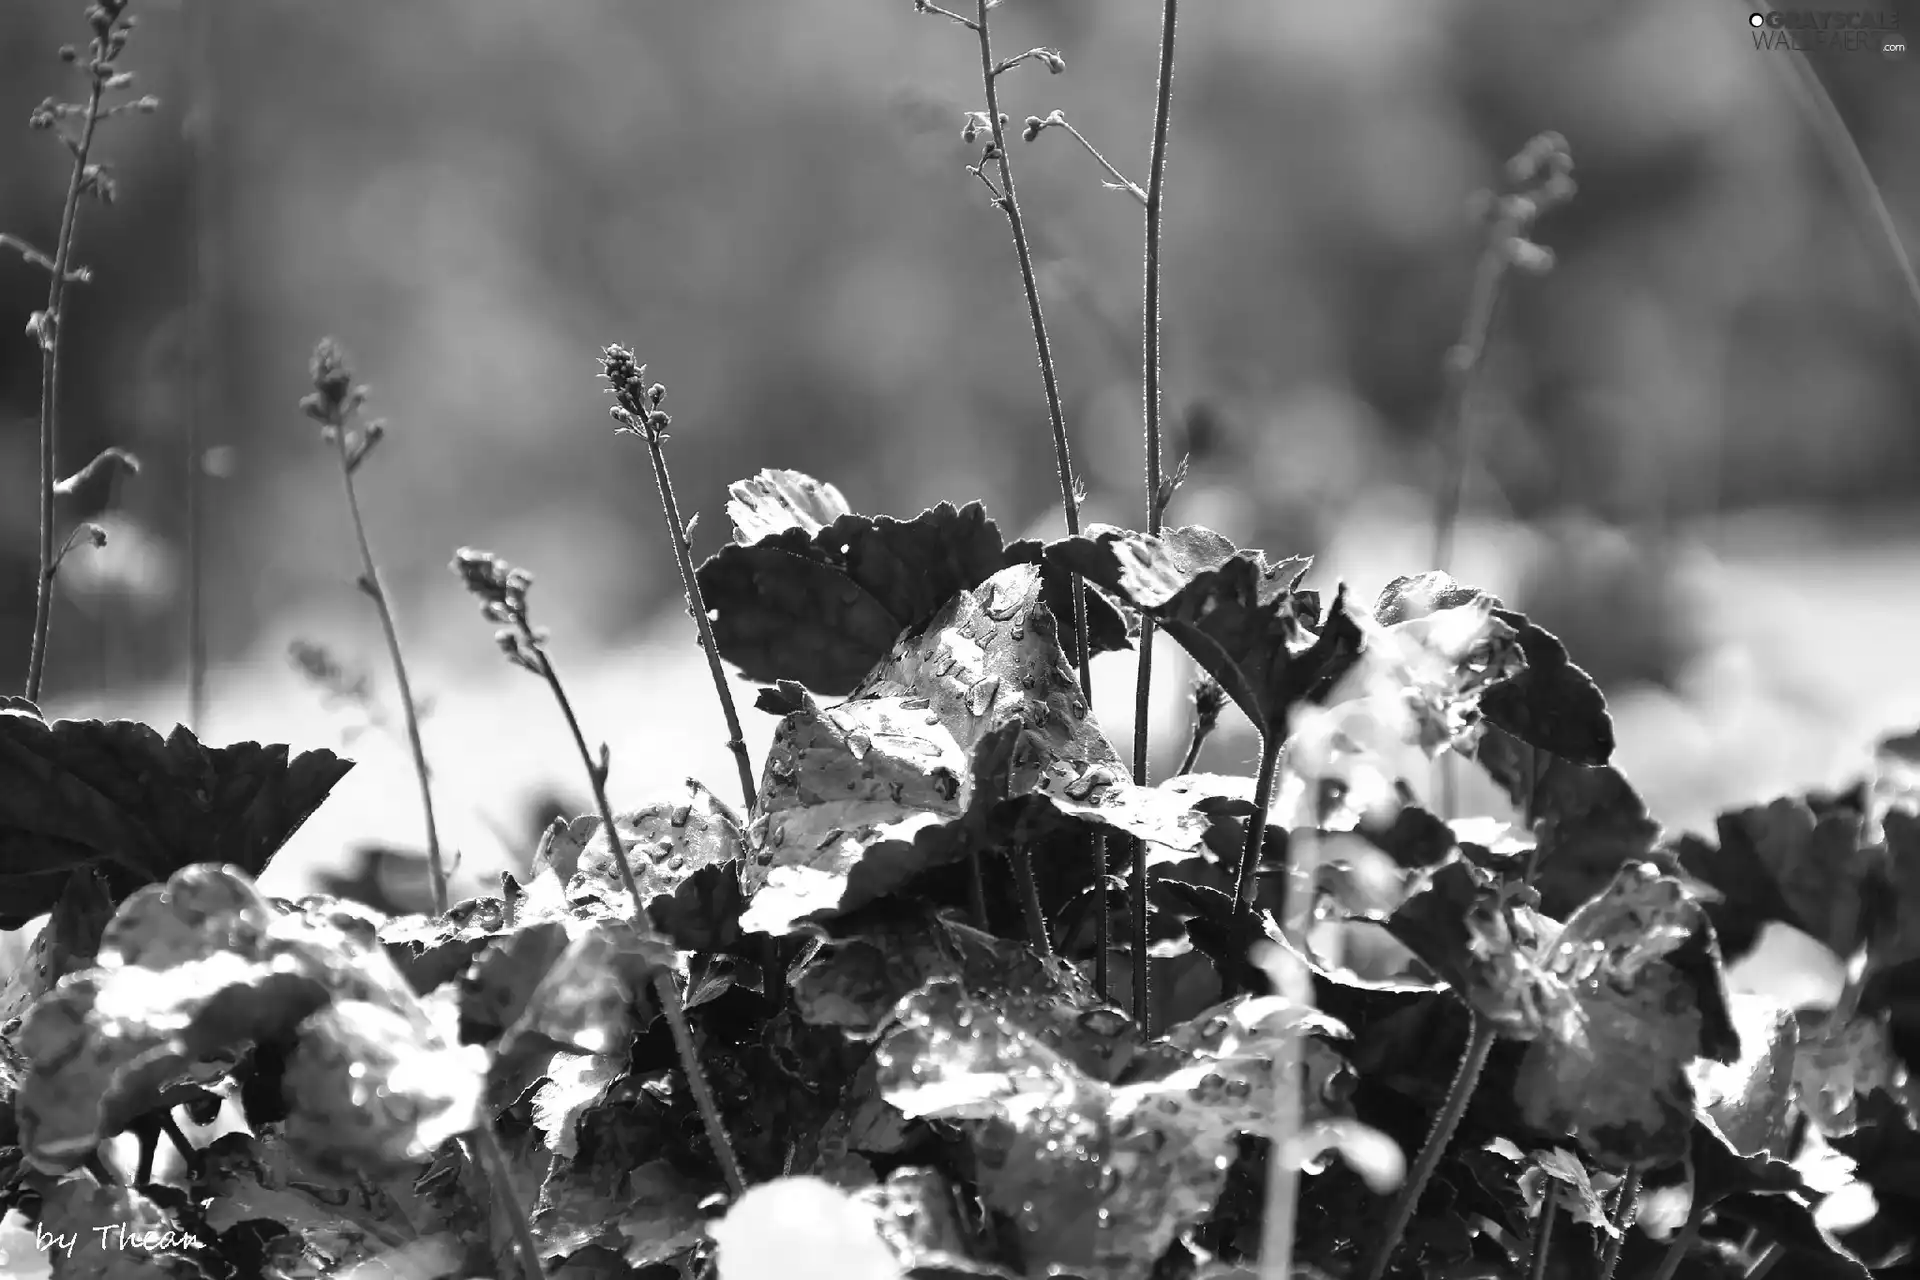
[
  {"x": 188, "y": 974},
  {"x": 117, "y": 796},
  {"x": 977, "y": 708},
  {"x": 1099, "y": 1171},
  {"x": 819, "y": 601}
]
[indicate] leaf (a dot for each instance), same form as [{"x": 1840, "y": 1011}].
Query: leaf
[
  {"x": 1552, "y": 704},
  {"x": 1242, "y": 619},
  {"x": 1589, "y": 822},
  {"x": 1751, "y": 1099},
  {"x": 775, "y": 500},
  {"x": 1633, "y": 993},
  {"x": 686, "y": 854},
  {"x": 336, "y": 1223},
  {"x": 820, "y": 604},
  {"x": 65, "y": 944},
  {"x": 914, "y": 1209},
  {"x": 1577, "y": 1193},
  {"x": 802, "y": 1228},
  {"x": 1782, "y": 862},
  {"x": 977, "y": 708},
  {"x": 1762, "y": 1192},
  {"x": 858, "y": 981},
  {"x": 117, "y": 796},
  {"x": 1838, "y": 1063},
  {"x": 1099, "y": 1174},
  {"x": 188, "y": 974}
]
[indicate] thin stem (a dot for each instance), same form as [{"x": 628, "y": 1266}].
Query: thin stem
[
  {"x": 102, "y": 1172},
  {"x": 1452, "y": 426},
  {"x": 669, "y": 995},
  {"x": 697, "y": 606},
  {"x": 201, "y": 19},
  {"x": 500, "y": 1176},
  {"x": 181, "y": 1143},
  {"x": 1272, "y": 742},
  {"x": 1766, "y": 1262},
  {"x": 1480, "y": 1037},
  {"x": 977, "y": 889},
  {"x": 1623, "y": 1219},
  {"x": 1037, "y": 932},
  {"x": 147, "y": 1133},
  {"x": 1150, "y": 397},
  {"x": 53, "y": 322},
  {"x": 1278, "y": 1222},
  {"x": 1543, "y": 1235},
  {"x": 1062, "y": 455},
  {"x": 1683, "y": 1240},
  {"x": 1120, "y": 179},
  {"x": 370, "y": 583},
  {"x": 1102, "y": 920}
]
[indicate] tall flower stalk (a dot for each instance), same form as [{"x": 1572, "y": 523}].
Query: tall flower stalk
[
  {"x": 637, "y": 411},
  {"x": 502, "y": 592},
  {"x": 74, "y": 123},
  {"x": 335, "y": 403}
]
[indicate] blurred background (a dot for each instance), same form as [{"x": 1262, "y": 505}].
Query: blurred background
[{"x": 1698, "y": 455}]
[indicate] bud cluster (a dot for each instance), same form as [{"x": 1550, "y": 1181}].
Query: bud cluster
[
  {"x": 502, "y": 591},
  {"x": 636, "y": 401},
  {"x": 334, "y": 401},
  {"x": 1540, "y": 176}
]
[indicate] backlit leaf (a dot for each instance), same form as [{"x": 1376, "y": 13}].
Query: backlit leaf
[
  {"x": 820, "y": 602},
  {"x": 977, "y": 708}
]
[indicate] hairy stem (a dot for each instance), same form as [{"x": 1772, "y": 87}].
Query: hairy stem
[
  {"x": 1543, "y": 1235},
  {"x": 1062, "y": 456},
  {"x": 669, "y": 995},
  {"x": 1480, "y": 1037},
  {"x": 1150, "y": 396},
  {"x": 697, "y": 606},
  {"x": 370, "y": 583},
  {"x": 54, "y": 323},
  {"x": 1037, "y": 933},
  {"x": 1623, "y": 1219},
  {"x": 500, "y": 1177}
]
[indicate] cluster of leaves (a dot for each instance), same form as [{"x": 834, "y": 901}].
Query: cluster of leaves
[{"x": 902, "y": 1030}]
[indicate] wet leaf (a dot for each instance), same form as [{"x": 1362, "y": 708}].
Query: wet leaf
[
  {"x": 1578, "y": 1194},
  {"x": 1751, "y": 1099},
  {"x": 646, "y": 1214},
  {"x": 686, "y": 854},
  {"x": 914, "y": 1210},
  {"x": 977, "y": 708},
  {"x": 336, "y": 1222},
  {"x": 820, "y": 604},
  {"x": 858, "y": 980},
  {"x": 117, "y": 796},
  {"x": 1099, "y": 1174},
  {"x": 1552, "y": 704},
  {"x": 1633, "y": 994},
  {"x": 189, "y": 973},
  {"x": 1244, "y": 620}
]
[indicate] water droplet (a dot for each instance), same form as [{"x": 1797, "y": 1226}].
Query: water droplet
[
  {"x": 859, "y": 743},
  {"x": 980, "y": 697}
]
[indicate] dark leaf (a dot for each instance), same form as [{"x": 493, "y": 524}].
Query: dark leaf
[
  {"x": 117, "y": 796},
  {"x": 821, "y": 603},
  {"x": 1761, "y": 1192},
  {"x": 65, "y": 944},
  {"x": 1589, "y": 821},
  {"x": 1240, "y": 617}
]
